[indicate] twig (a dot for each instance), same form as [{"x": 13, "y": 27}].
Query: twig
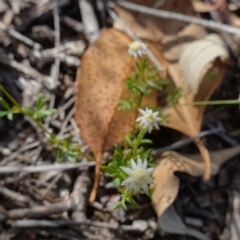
[
  {"x": 66, "y": 234},
  {"x": 64, "y": 107},
  {"x": 80, "y": 195},
  {"x": 89, "y": 20},
  {"x": 135, "y": 37},
  {"x": 76, "y": 131},
  {"x": 57, "y": 42},
  {"x": 186, "y": 141},
  {"x": 14, "y": 196},
  {"x": 29, "y": 71},
  {"x": 55, "y": 67},
  {"x": 23, "y": 148},
  {"x": 37, "y": 211},
  {"x": 73, "y": 24},
  {"x": 60, "y": 223},
  {"x": 20, "y": 37},
  {"x": 178, "y": 16},
  {"x": 66, "y": 120},
  {"x": 51, "y": 184},
  {"x": 45, "y": 168},
  {"x": 232, "y": 46}
]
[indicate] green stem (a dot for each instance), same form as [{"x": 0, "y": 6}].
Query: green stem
[
  {"x": 216, "y": 102},
  {"x": 14, "y": 102}
]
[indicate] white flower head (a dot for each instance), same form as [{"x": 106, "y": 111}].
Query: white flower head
[
  {"x": 137, "y": 49},
  {"x": 149, "y": 119},
  {"x": 139, "y": 176}
]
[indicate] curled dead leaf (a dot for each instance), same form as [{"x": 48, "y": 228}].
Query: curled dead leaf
[
  {"x": 185, "y": 117},
  {"x": 166, "y": 184},
  {"x": 197, "y": 59}
]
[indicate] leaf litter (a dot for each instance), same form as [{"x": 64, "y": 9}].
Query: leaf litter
[{"x": 100, "y": 84}]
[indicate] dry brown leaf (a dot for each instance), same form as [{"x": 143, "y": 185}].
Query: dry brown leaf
[
  {"x": 169, "y": 221},
  {"x": 166, "y": 184},
  {"x": 100, "y": 84},
  {"x": 197, "y": 58},
  {"x": 187, "y": 118}
]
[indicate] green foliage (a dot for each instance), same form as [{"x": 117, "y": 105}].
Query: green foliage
[
  {"x": 132, "y": 149},
  {"x": 143, "y": 82},
  {"x": 36, "y": 114},
  {"x": 64, "y": 148},
  {"x": 140, "y": 84}
]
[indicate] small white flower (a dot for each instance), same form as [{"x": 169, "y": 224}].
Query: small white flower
[
  {"x": 149, "y": 119},
  {"x": 137, "y": 49},
  {"x": 139, "y": 176}
]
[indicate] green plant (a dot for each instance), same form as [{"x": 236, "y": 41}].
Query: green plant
[
  {"x": 128, "y": 165},
  {"x": 62, "y": 147}
]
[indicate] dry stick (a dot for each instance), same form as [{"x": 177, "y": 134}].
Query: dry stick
[
  {"x": 23, "y": 148},
  {"x": 45, "y": 168},
  {"x": 20, "y": 37},
  {"x": 225, "y": 36},
  {"x": 64, "y": 107},
  {"x": 60, "y": 223},
  {"x": 37, "y": 211},
  {"x": 27, "y": 70},
  {"x": 66, "y": 120},
  {"x": 135, "y": 37},
  {"x": 76, "y": 130},
  {"x": 13, "y": 196},
  {"x": 55, "y": 68},
  {"x": 80, "y": 195},
  {"x": 31, "y": 223},
  {"x": 180, "y": 17},
  {"x": 73, "y": 24},
  {"x": 77, "y": 203},
  {"x": 184, "y": 142},
  {"x": 51, "y": 184},
  {"x": 89, "y": 19}
]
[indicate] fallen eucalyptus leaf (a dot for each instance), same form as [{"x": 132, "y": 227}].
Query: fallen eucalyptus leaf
[{"x": 100, "y": 84}]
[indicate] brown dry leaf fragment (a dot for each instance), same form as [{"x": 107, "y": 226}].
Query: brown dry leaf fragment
[
  {"x": 166, "y": 184},
  {"x": 203, "y": 78},
  {"x": 100, "y": 84},
  {"x": 197, "y": 58}
]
